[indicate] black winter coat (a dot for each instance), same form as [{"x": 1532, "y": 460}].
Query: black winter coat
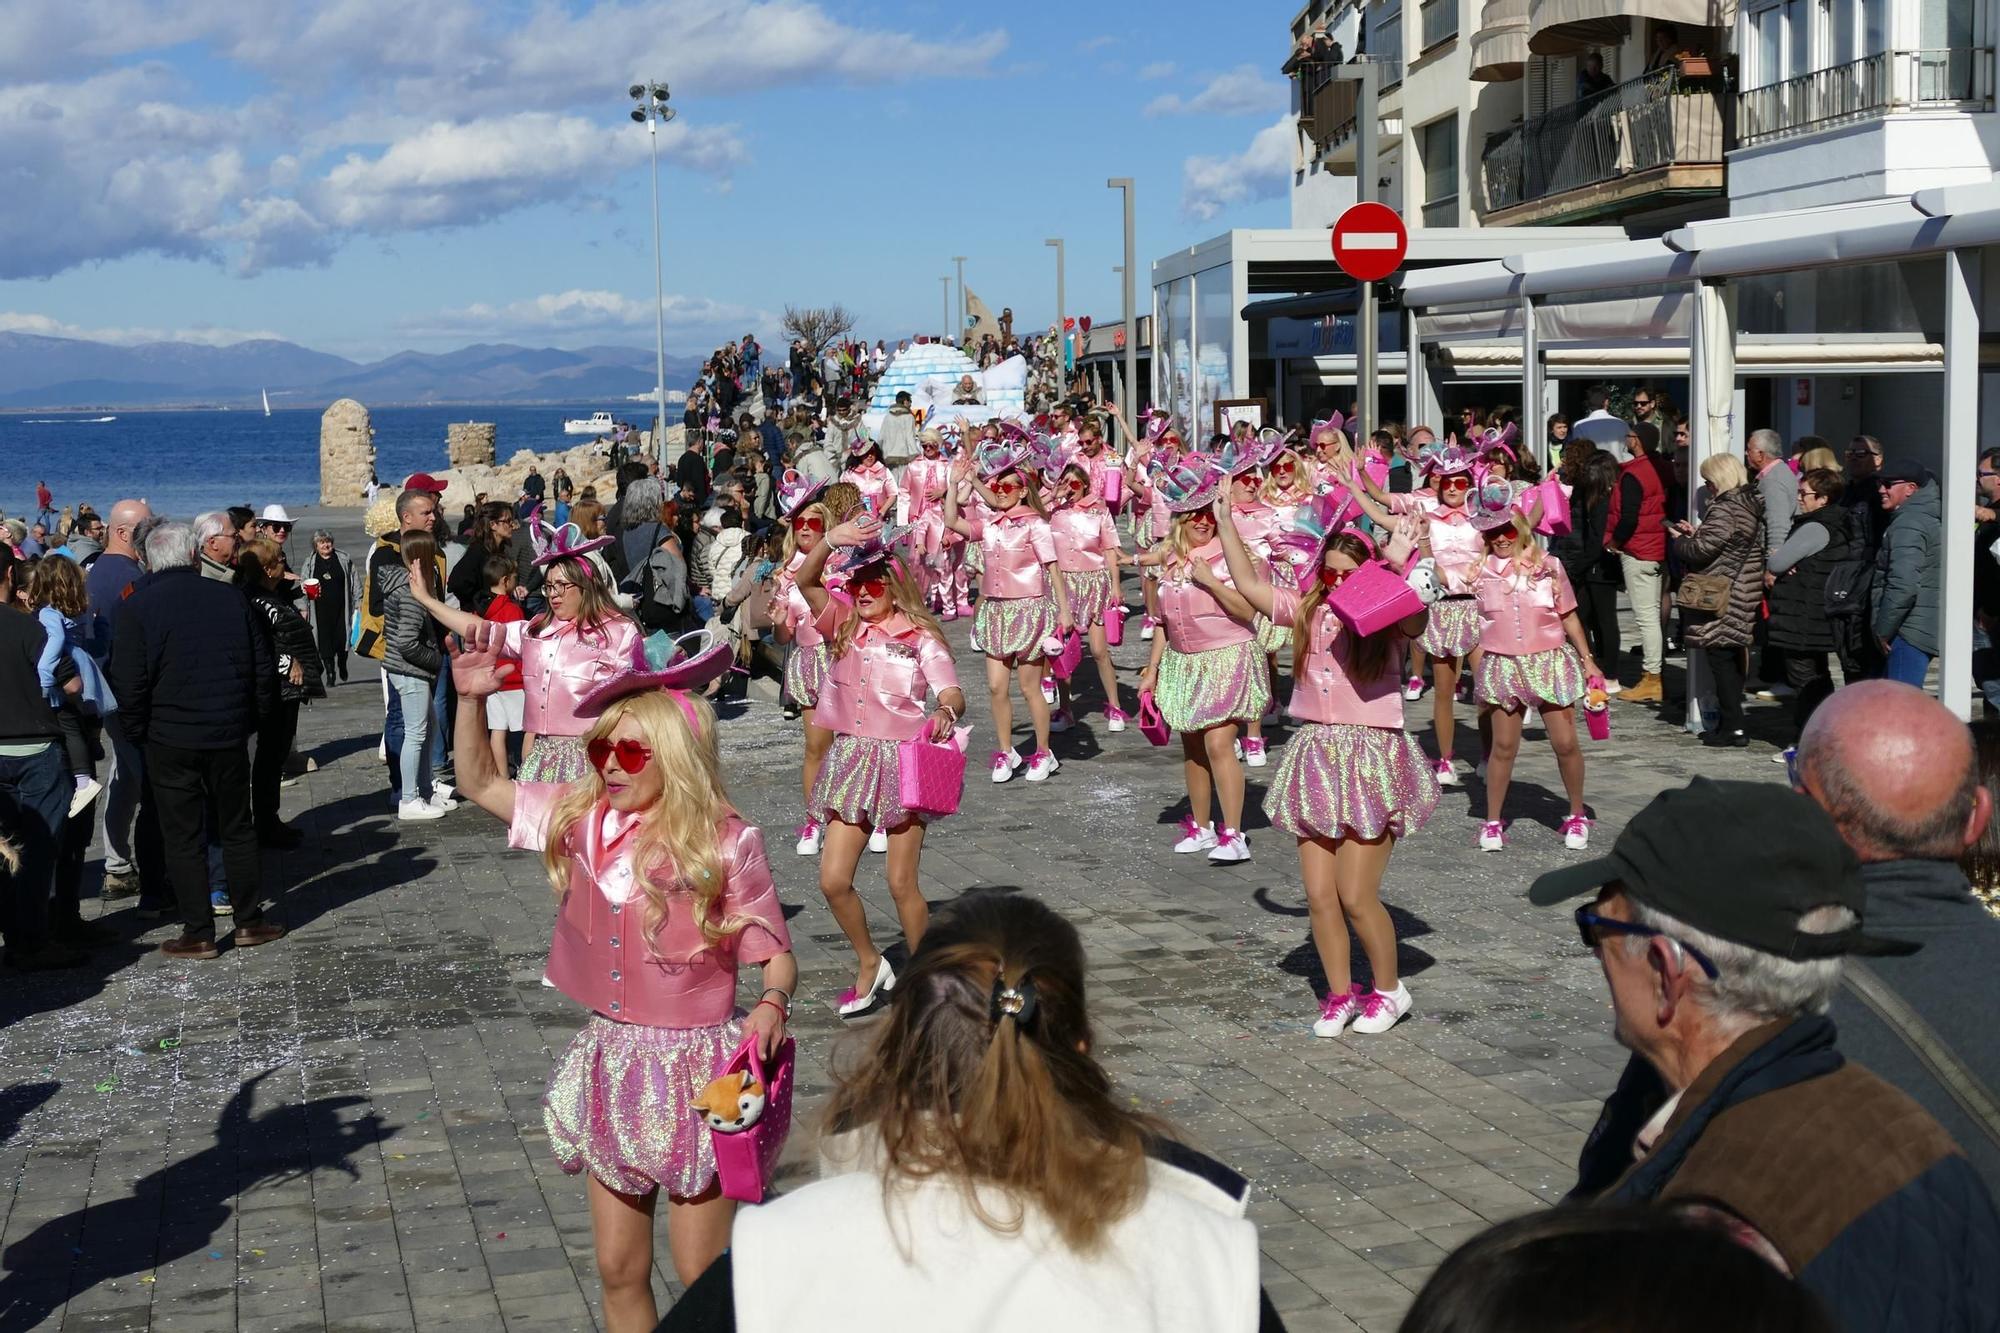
[
  {"x": 191, "y": 663},
  {"x": 291, "y": 641},
  {"x": 1798, "y": 598}
]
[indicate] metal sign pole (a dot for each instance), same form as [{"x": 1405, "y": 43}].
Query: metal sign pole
[{"x": 1366, "y": 125}]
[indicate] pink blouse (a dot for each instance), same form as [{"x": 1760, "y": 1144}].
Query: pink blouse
[
  {"x": 599, "y": 958},
  {"x": 1521, "y": 610},
  {"x": 1017, "y": 545},
  {"x": 1256, "y": 523},
  {"x": 877, "y": 688},
  {"x": 560, "y": 665},
  {"x": 1083, "y": 537},
  {"x": 1195, "y": 621},
  {"x": 797, "y": 612},
  {"x": 1456, "y": 545},
  {"x": 1324, "y": 691},
  {"x": 877, "y": 486}
]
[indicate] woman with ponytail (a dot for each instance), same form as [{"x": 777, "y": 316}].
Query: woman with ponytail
[
  {"x": 985, "y": 1173},
  {"x": 1353, "y": 781}
]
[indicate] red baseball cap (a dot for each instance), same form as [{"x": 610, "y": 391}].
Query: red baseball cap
[{"x": 423, "y": 481}]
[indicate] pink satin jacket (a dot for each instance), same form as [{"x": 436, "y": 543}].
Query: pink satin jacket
[
  {"x": 1455, "y": 544},
  {"x": 792, "y": 605},
  {"x": 1083, "y": 535},
  {"x": 878, "y": 489},
  {"x": 1017, "y": 545},
  {"x": 1325, "y": 690},
  {"x": 1521, "y": 610},
  {"x": 560, "y": 665},
  {"x": 1196, "y": 622},
  {"x": 599, "y": 956},
  {"x": 1255, "y": 524},
  {"x": 877, "y": 688},
  {"x": 922, "y": 477}
]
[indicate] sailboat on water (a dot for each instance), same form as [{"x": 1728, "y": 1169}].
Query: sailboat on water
[{"x": 267, "y": 402}]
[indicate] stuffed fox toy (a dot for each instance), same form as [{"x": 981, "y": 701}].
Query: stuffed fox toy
[{"x": 732, "y": 1103}]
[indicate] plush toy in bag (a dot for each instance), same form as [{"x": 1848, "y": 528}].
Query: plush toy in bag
[{"x": 748, "y": 1110}]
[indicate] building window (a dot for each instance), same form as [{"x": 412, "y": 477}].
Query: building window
[{"x": 1437, "y": 145}]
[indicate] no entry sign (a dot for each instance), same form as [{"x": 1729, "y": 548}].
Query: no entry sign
[{"x": 1369, "y": 242}]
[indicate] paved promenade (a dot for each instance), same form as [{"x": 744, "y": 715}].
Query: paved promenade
[{"x": 343, "y": 1130}]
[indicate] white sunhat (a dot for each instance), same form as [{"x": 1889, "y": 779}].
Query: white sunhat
[{"x": 274, "y": 514}]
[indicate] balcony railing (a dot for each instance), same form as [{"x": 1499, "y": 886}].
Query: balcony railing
[
  {"x": 1442, "y": 212},
  {"x": 1385, "y": 47},
  {"x": 1657, "y": 120},
  {"x": 1438, "y": 22},
  {"x": 1328, "y": 103},
  {"x": 1953, "y": 77}
]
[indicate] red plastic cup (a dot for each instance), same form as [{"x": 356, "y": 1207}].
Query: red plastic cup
[{"x": 312, "y": 589}]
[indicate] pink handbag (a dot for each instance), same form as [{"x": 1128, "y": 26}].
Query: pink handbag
[
  {"x": 1151, "y": 725},
  {"x": 1372, "y": 598},
  {"x": 746, "y": 1160},
  {"x": 1114, "y": 624},
  {"x": 1114, "y": 487},
  {"x": 930, "y": 775},
  {"x": 1556, "y": 520},
  {"x": 1065, "y": 662},
  {"x": 1598, "y": 719}
]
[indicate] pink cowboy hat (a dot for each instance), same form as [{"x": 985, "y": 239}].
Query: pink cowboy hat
[
  {"x": 1490, "y": 504},
  {"x": 997, "y": 457},
  {"x": 1255, "y": 452},
  {"x": 662, "y": 663},
  {"x": 1192, "y": 482},
  {"x": 565, "y": 542},
  {"x": 795, "y": 492}
]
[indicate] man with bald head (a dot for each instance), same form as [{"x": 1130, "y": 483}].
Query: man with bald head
[
  {"x": 109, "y": 580},
  {"x": 1898, "y": 774}
]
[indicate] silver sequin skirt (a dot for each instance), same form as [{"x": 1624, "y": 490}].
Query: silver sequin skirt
[
  {"x": 1552, "y": 678},
  {"x": 1340, "y": 780},
  {"x": 1089, "y": 596},
  {"x": 556, "y": 759},
  {"x": 1197, "y": 691},
  {"x": 1454, "y": 627},
  {"x": 1015, "y": 626},
  {"x": 861, "y": 782},
  {"x": 620, "y": 1104},
  {"x": 805, "y": 674}
]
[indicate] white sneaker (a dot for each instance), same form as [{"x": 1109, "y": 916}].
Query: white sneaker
[
  {"x": 808, "y": 843},
  {"x": 1146, "y": 632},
  {"x": 1004, "y": 764},
  {"x": 417, "y": 809},
  {"x": 1381, "y": 1010},
  {"x": 1254, "y": 752},
  {"x": 1048, "y": 691},
  {"x": 1041, "y": 764},
  {"x": 1230, "y": 848},
  {"x": 1196, "y": 838},
  {"x": 444, "y": 805},
  {"x": 1114, "y": 721},
  {"x": 1447, "y": 776},
  {"x": 1492, "y": 836},
  {"x": 1413, "y": 688},
  {"x": 1576, "y": 832},
  {"x": 878, "y": 841},
  {"x": 442, "y": 793},
  {"x": 85, "y": 793},
  {"x": 1337, "y": 1011}
]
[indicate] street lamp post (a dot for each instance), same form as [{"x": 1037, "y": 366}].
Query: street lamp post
[
  {"x": 649, "y": 107},
  {"x": 958, "y": 337},
  {"x": 1131, "y": 300},
  {"x": 946, "y": 280},
  {"x": 1062, "y": 333}
]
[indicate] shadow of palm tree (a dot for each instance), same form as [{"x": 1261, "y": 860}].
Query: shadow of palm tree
[{"x": 173, "y": 1212}]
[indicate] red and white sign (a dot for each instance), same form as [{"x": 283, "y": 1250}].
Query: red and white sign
[{"x": 1369, "y": 242}]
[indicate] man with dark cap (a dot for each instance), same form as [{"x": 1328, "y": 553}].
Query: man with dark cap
[
  {"x": 1635, "y": 526},
  {"x": 1720, "y": 918},
  {"x": 1907, "y": 571}
]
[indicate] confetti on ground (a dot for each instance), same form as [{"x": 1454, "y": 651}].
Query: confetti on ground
[{"x": 107, "y": 1085}]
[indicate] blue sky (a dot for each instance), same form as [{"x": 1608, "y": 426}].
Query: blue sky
[{"x": 367, "y": 175}]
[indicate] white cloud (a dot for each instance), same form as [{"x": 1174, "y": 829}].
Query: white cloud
[
  {"x": 385, "y": 115},
  {"x": 1243, "y": 91},
  {"x": 18, "y": 321},
  {"x": 1159, "y": 69},
  {"x": 576, "y": 313},
  {"x": 1262, "y": 171},
  {"x": 1097, "y": 43}
]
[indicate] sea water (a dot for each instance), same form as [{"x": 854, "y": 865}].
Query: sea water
[{"x": 185, "y": 462}]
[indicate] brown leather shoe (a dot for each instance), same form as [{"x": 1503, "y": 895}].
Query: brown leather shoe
[
  {"x": 249, "y": 937},
  {"x": 191, "y": 947}
]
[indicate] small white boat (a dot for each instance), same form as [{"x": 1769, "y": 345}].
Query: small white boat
[
  {"x": 267, "y": 402},
  {"x": 600, "y": 423}
]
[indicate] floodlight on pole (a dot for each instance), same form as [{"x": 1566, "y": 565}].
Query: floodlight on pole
[{"x": 651, "y": 110}]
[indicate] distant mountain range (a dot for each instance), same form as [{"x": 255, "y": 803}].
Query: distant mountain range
[{"x": 38, "y": 372}]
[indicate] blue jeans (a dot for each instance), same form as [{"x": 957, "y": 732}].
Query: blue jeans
[
  {"x": 1907, "y": 663},
  {"x": 392, "y": 740},
  {"x": 415, "y": 694},
  {"x": 34, "y": 801},
  {"x": 439, "y": 718}
]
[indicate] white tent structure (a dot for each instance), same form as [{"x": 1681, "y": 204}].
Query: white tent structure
[{"x": 929, "y": 372}]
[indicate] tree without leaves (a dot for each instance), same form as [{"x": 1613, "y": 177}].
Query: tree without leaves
[{"x": 818, "y": 325}]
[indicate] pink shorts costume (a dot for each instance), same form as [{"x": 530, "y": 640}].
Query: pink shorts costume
[
  {"x": 1458, "y": 548},
  {"x": 877, "y": 486},
  {"x": 1212, "y": 671},
  {"x": 805, "y": 668},
  {"x": 1016, "y": 607},
  {"x": 663, "y": 1011},
  {"x": 1351, "y": 770},
  {"x": 873, "y": 700},
  {"x": 1528, "y": 661},
  {"x": 559, "y": 665},
  {"x": 1085, "y": 537}
]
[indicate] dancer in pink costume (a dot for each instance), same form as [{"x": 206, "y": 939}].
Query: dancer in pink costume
[
  {"x": 1087, "y": 560},
  {"x": 939, "y": 551},
  {"x": 793, "y": 622}
]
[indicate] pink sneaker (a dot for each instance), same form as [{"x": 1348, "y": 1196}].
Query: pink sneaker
[
  {"x": 1254, "y": 755},
  {"x": 1115, "y": 719},
  {"x": 1004, "y": 764},
  {"x": 1576, "y": 832},
  {"x": 1492, "y": 836},
  {"x": 964, "y": 607},
  {"x": 1336, "y": 1011}
]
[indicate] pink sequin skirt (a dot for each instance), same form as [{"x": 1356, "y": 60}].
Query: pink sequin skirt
[
  {"x": 1014, "y": 627},
  {"x": 1197, "y": 691},
  {"x": 620, "y": 1105},
  {"x": 1340, "y": 780},
  {"x": 1551, "y": 678},
  {"x": 556, "y": 759},
  {"x": 1089, "y": 596},
  {"x": 805, "y": 674},
  {"x": 861, "y": 782},
  {"x": 1271, "y": 636},
  {"x": 1454, "y": 627}
]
